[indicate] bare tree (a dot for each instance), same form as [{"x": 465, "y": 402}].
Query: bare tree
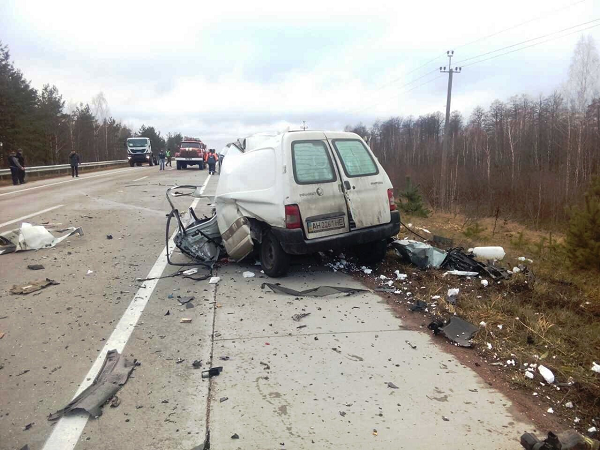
[
  {"x": 101, "y": 112},
  {"x": 584, "y": 73}
]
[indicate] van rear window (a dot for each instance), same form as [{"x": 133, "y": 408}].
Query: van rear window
[
  {"x": 312, "y": 163},
  {"x": 355, "y": 157}
]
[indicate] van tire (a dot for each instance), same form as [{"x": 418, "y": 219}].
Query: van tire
[
  {"x": 371, "y": 252},
  {"x": 130, "y": 163},
  {"x": 275, "y": 262},
  {"x": 178, "y": 164}
]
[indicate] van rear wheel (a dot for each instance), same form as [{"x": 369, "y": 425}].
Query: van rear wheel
[
  {"x": 275, "y": 262},
  {"x": 372, "y": 252}
]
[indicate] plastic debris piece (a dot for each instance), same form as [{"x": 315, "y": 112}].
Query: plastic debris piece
[
  {"x": 299, "y": 317},
  {"x": 420, "y": 254},
  {"x": 569, "y": 405},
  {"x": 419, "y": 305},
  {"x": 35, "y": 267},
  {"x": 482, "y": 324},
  {"x": 489, "y": 346},
  {"x": 413, "y": 346},
  {"x": 32, "y": 237},
  {"x": 452, "y": 295},
  {"x": 461, "y": 273},
  {"x": 400, "y": 276},
  {"x": 190, "y": 271},
  {"x": 184, "y": 300},
  {"x": 223, "y": 399},
  {"x": 32, "y": 286},
  {"x": 212, "y": 372},
  {"x": 529, "y": 375},
  {"x": 112, "y": 376},
  {"x": 595, "y": 367},
  {"x": 320, "y": 291},
  {"x": 197, "y": 363},
  {"x": 214, "y": 280},
  {"x": 248, "y": 274},
  {"x": 550, "y": 410},
  {"x": 235, "y": 436},
  {"x": 484, "y": 283},
  {"x": 185, "y": 320},
  {"x": 546, "y": 373},
  {"x": 456, "y": 330},
  {"x": 366, "y": 270},
  {"x": 391, "y": 385}
]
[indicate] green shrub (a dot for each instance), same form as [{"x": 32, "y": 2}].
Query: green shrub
[
  {"x": 474, "y": 231},
  {"x": 583, "y": 237},
  {"x": 411, "y": 201}
]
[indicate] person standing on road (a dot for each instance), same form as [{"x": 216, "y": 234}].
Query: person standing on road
[
  {"x": 15, "y": 168},
  {"x": 161, "y": 158},
  {"x": 21, "y": 159},
  {"x": 169, "y": 157},
  {"x": 211, "y": 160},
  {"x": 74, "y": 160}
]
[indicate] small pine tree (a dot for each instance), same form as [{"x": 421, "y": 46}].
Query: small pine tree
[
  {"x": 583, "y": 236},
  {"x": 411, "y": 202}
]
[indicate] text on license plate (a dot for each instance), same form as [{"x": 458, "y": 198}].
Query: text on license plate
[{"x": 325, "y": 225}]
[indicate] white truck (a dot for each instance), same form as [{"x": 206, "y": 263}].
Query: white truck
[{"x": 139, "y": 151}]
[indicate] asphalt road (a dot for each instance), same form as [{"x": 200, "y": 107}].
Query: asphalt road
[{"x": 321, "y": 386}]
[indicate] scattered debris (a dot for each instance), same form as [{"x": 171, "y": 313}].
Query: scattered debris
[
  {"x": 197, "y": 363},
  {"x": 109, "y": 236},
  {"x": 420, "y": 254},
  {"x": 224, "y": 358},
  {"x": 179, "y": 360},
  {"x": 223, "y": 399},
  {"x": 190, "y": 271},
  {"x": 32, "y": 286},
  {"x": 267, "y": 367},
  {"x": 214, "y": 280},
  {"x": 2, "y": 334},
  {"x": 320, "y": 291},
  {"x": 32, "y": 237},
  {"x": 391, "y": 385},
  {"x": 248, "y": 274},
  {"x": 89, "y": 272},
  {"x": 185, "y": 320},
  {"x": 419, "y": 305},
  {"x": 489, "y": 253},
  {"x": 595, "y": 367},
  {"x": 168, "y": 313},
  {"x": 35, "y": 267},
  {"x": 400, "y": 276},
  {"x": 184, "y": 300},
  {"x": 457, "y": 259},
  {"x": 235, "y": 436},
  {"x": 546, "y": 373},
  {"x": 452, "y": 295},
  {"x": 445, "y": 419},
  {"x": 461, "y": 273},
  {"x": 299, "y": 317},
  {"x": 112, "y": 376},
  {"x": 212, "y": 372},
  {"x": 413, "y": 346},
  {"x": 342, "y": 413},
  {"x": 456, "y": 330},
  {"x": 484, "y": 283},
  {"x": 115, "y": 401},
  {"x": 569, "y": 405},
  {"x": 28, "y": 426}
]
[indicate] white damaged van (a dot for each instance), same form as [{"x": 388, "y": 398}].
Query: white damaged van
[{"x": 301, "y": 192}]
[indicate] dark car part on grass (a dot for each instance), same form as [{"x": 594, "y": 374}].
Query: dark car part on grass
[
  {"x": 568, "y": 440},
  {"x": 422, "y": 255},
  {"x": 113, "y": 375},
  {"x": 212, "y": 372},
  {"x": 32, "y": 286},
  {"x": 457, "y": 259},
  {"x": 200, "y": 239},
  {"x": 320, "y": 291},
  {"x": 456, "y": 330}
]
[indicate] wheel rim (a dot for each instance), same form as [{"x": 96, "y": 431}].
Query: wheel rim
[{"x": 269, "y": 254}]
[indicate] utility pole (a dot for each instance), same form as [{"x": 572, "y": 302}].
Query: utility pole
[{"x": 444, "y": 174}]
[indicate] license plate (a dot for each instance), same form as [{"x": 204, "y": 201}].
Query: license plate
[{"x": 326, "y": 225}]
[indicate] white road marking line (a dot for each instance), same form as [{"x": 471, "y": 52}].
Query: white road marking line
[
  {"x": 67, "y": 431},
  {"x": 140, "y": 178},
  {"x": 29, "y": 215},
  {"x": 61, "y": 182}
]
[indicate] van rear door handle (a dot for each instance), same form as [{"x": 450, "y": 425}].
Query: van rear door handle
[{"x": 347, "y": 185}]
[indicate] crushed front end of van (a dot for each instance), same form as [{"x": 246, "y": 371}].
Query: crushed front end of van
[{"x": 302, "y": 192}]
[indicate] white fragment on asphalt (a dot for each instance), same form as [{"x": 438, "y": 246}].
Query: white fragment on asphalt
[
  {"x": 489, "y": 346},
  {"x": 569, "y": 405},
  {"x": 546, "y": 373},
  {"x": 248, "y": 274},
  {"x": 595, "y": 367},
  {"x": 484, "y": 283},
  {"x": 214, "y": 280},
  {"x": 89, "y": 272},
  {"x": 550, "y": 410},
  {"x": 190, "y": 271},
  {"x": 529, "y": 375}
]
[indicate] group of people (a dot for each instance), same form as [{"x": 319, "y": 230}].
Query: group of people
[
  {"x": 210, "y": 158},
  {"x": 16, "y": 162}
]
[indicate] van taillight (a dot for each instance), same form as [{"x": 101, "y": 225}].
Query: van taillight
[
  {"x": 393, "y": 206},
  {"x": 292, "y": 217}
]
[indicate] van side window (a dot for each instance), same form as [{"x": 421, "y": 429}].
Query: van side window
[
  {"x": 312, "y": 163},
  {"x": 355, "y": 157}
]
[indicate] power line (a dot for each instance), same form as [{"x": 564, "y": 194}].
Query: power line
[
  {"x": 529, "y": 40},
  {"x": 529, "y": 46},
  {"x": 521, "y": 24}
]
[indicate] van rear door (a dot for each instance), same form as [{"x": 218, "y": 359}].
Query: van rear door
[
  {"x": 317, "y": 187},
  {"x": 365, "y": 183}
]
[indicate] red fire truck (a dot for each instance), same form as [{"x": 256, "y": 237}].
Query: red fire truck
[{"x": 190, "y": 153}]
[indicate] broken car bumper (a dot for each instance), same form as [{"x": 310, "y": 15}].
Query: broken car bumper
[{"x": 294, "y": 242}]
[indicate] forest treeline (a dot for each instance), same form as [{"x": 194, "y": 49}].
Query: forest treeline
[
  {"x": 47, "y": 130},
  {"x": 531, "y": 157}
]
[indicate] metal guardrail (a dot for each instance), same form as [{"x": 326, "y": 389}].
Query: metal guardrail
[{"x": 40, "y": 170}]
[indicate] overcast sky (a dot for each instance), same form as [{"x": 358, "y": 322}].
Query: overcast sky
[{"x": 222, "y": 70}]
